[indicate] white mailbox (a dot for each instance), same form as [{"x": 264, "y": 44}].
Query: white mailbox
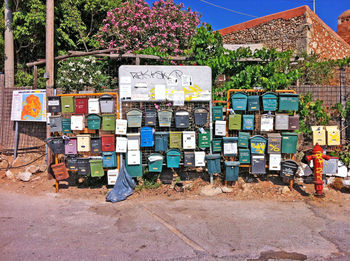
[
  {"x": 94, "y": 105},
  {"x": 275, "y": 161},
  {"x": 77, "y": 122},
  {"x": 121, "y": 126},
  {"x": 189, "y": 140},
  {"x": 266, "y": 122},
  {"x": 199, "y": 158},
  {"x": 121, "y": 144},
  {"x": 134, "y": 157},
  {"x": 220, "y": 128},
  {"x": 112, "y": 176},
  {"x": 83, "y": 141},
  {"x": 133, "y": 141}
]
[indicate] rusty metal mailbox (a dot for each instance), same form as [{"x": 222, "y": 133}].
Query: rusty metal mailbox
[
  {"x": 293, "y": 122},
  {"x": 55, "y": 123}
]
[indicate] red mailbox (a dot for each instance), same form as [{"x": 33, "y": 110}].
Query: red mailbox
[
  {"x": 108, "y": 142},
  {"x": 81, "y": 105}
]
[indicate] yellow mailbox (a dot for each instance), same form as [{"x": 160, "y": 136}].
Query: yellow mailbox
[
  {"x": 318, "y": 135},
  {"x": 333, "y": 135}
]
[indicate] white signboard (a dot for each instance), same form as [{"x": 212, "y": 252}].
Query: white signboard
[{"x": 28, "y": 105}]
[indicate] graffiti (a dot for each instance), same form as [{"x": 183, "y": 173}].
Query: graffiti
[
  {"x": 259, "y": 147},
  {"x": 274, "y": 148},
  {"x": 143, "y": 75}
]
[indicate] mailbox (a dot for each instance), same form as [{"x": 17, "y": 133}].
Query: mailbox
[
  {"x": 109, "y": 159},
  {"x": 56, "y": 144},
  {"x": 112, "y": 176},
  {"x": 72, "y": 163},
  {"x": 244, "y": 156},
  {"x": 70, "y": 146},
  {"x": 93, "y": 105},
  {"x": 182, "y": 119},
  {"x": 234, "y": 121},
  {"x": 243, "y": 139},
  {"x": 134, "y": 157},
  {"x": 134, "y": 117},
  {"x": 81, "y": 105},
  {"x": 257, "y": 144},
  {"x": 67, "y": 104},
  {"x": 93, "y": 122},
  {"x": 121, "y": 126},
  {"x": 248, "y": 122},
  {"x": 161, "y": 141},
  {"x": 333, "y": 135},
  {"x": 66, "y": 123},
  {"x": 200, "y": 116},
  {"x": 288, "y": 102},
  {"x": 121, "y": 144},
  {"x": 108, "y": 122},
  {"x": 175, "y": 140},
  {"x": 275, "y": 162},
  {"x": 258, "y": 164},
  {"x": 150, "y": 117},
  {"x": 60, "y": 171},
  {"x": 274, "y": 145},
  {"x": 96, "y": 145},
  {"x": 199, "y": 158},
  {"x": 189, "y": 140},
  {"x": 293, "y": 122},
  {"x": 239, "y": 101},
  {"x": 147, "y": 137},
  {"x": 213, "y": 163},
  {"x": 55, "y": 123},
  {"x": 204, "y": 139},
  {"x": 164, "y": 118},
  {"x": 318, "y": 135},
  {"x": 77, "y": 122},
  {"x": 173, "y": 158},
  {"x": 189, "y": 159},
  {"x": 269, "y": 101},
  {"x": 289, "y": 142},
  {"x": 288, "y": 169},
  {"x": 266, "y": 123},
  {"x": 217, "y": 113},
  {"x": 220, "y": 128},
  {"x": 83, "y": 166},
  {"x": 108, "y": 142},
  {"x": 253, "y": 103},
  {"x": 282, "y": 122},
  {"x": 155, "y": 162},
  {"x": 230, "y": 146},
  {"x": 136, "y": 169},
  {"x": 96, "y": 168},
  {"x": 54, "y": 104},
  {"x": 83, "y": 142},
  {"x": 330, "y": 167},
  {"x": 107, "y": 103},
  {"x": 217, "y": 145},
  {"x": 232, "y": 170},
  {"x": 133, "y": 141}
]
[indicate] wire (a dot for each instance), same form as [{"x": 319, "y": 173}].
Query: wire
[
  {"x": 227, "y": 9},
  {"x": 9, "y": 166}
]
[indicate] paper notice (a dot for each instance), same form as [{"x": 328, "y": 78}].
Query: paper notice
[
  {"x": 159, "y": 92},
  {"x": 186, "y": 80},
  {"x": 179, "y": 98},
  {"x": 125, "y": 80},
  {"x": 125, "y": 91}
]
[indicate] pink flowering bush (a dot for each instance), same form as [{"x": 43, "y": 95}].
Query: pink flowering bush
[{"x": 135, "y": 26}]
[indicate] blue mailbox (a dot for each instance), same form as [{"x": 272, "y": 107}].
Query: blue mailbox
[
  {"x": 109, "y": 159},
  {"x": 147, "y": 137},
  {"x": 173, "y": 157},
  {"x": 161, "y": 139},
  {"x": 257, "y": 144},
  {"x": 213, "y": 163},
  {"x": 239, "y": 101},
  {"x": 248, "y": 122}
]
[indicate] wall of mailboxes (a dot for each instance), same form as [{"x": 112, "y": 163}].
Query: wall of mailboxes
[{"x": 258, "y": 131}]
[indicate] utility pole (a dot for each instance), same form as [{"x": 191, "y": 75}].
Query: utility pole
[
  {"x": 9, "y": 69},
  {"x": 314, "y": 5}
]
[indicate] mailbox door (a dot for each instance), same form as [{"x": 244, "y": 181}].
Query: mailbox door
[
  {"x": 67, "y": 104},
  {"x": 293, "y": 122},
  {"x": 217, "y": 145},
  {"x": 258, "y": 164},
  {"x": 54, "y": 104},
  {"x": 83, "y": 143},
  {"x": 81, "y": 105},
  {"x": 275, "y": 162},
  {"x": 204, "y": 139},
  {"x": 248, "y": 122},
  {"x": 96, "y": 145},
  {"x": 220, "y": 128},
  {"x": 189, "y": 159},
  {"x": 121, "y": 144},
  {"x": 108, "y": 143},
  {"x": 55, "y": 123},
  {"x": 189, "y": 140},
  {"x": 175, "y": 140},
  {"x": 266, "y": 123},
  {"x": 244, "y": 156},
  {"x": 217, "y": 113},
  {"x": 146, "y": 137},
  {"x": 199, "y": 158},
  {"x": 235, "y": 122},
  {"x": 93, "y": 105},
  {"x": 134, "y": 157},
  {"x": 282, "y": 122},
  {"x": 121, "y": 126},
  {"x": 253, "y": 103},
  {"x": 70, "y": 147},
  {"x": 66, "y": 123},
  {"x": 274, "y": 143},
  {"x": 77, "y": 122},
  {"x": 108, "y": 122},
  {"x": 161, "y": 141}
]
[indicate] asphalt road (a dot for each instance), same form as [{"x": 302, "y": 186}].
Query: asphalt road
[{"x": 52, "y": 228}]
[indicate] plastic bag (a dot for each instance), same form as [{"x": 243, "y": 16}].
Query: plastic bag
[{"x": 123, "y": 187}]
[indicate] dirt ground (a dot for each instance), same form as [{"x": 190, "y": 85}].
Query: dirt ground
[{"x": 269, "y": 187}]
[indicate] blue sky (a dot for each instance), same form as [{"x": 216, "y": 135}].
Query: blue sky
[{"x": 327, "y": 10}]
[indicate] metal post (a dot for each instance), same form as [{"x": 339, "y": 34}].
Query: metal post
[
  {"x": 16, "y": 141},
  {"x": 9, "y": 66},
  {"x": 314, "y": 5}
]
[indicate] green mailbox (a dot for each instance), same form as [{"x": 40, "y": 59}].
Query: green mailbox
[
  {"x": 217, "y": 145},
  {"x": 96, "y": 168},
  {"x": 239, "y": 101},
  {"x": 134, "y": 170},
  {"x": 155, "y": 162},
  {"x": 66, "y": 126},
  {"x": 217, "y": 113},
  {"x": 289, "y": 142},
  {"x": 235, "y": 122},
  {"x": 204, "y": 139},
  {"x": 108, "y": 122},
  {"x": 173, "y": 157},
  {"x": 93, "y": 121},
  {"x": 243, "y": 139},
  {"x": 213, "y": 163},
  {"x": 269, "y": 101},
  {"x": 288, "y": 102},
  {"x": 67, "y": 104},
  {"x": 232, "y": 170},
  {"x": 253, "y": 103},
  {"x": 248, "y": 122},
  {"x": 175, "y": 140},
  {"x": 244, "y": 156}
]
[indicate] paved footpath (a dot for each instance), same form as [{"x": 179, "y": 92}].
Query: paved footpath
[{"x": 49, "y": 227}]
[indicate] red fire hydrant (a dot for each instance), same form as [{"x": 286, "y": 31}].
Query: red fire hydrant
[{"x": 317, "y": 157}]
